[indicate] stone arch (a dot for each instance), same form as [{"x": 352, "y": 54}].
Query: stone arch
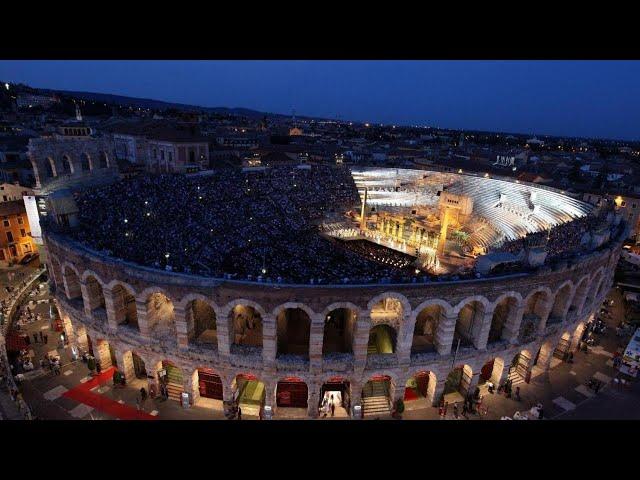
[
  {"x": 201, "y": 317},
  {"x": 563, "y": 346},
  {"x": 579, "y": 295},
  {"x": 103, "y": 160},
  {"x": 492, "y": 371},
  {"x": 123, "y": 299},
  {"x": 67, "y": 165},
  {"x": 536, "y": 310},
  {"x": 401, "y": 299},
  {"x": 470, "y": 320},
  {"x": 208, "y": 387},
  {"x": 339, "y": 328},
  {"x": 520, "y": 367},
  {"x": 426, "y": 320},
  {"x": 250, "y": 393},
  {"x": 292, "y": 392},
  {"x": 458, "y": 383},
  {"x": 94, "y": 288},
  {"x": 577, "y": 336},
  {"x": 383, "y": 339},
  {"x": 50, "y": 168},
  {"x": 420, "y": 388},
  {"x": 71, "y": 281},
  {"x": 160, "y": 314},
  {"x": 505, "y": 311},
  {"x": 293, "y": 328},
  {"x": 86, "y": 165},
  {"x": 561, "y": 302},
  {"x": 246, "y": 322}
]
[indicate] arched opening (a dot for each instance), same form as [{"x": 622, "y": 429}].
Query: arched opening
[
  {"x": 49, "y": 168},
  {"x": 249, "y": 394},
  {"x": 376, "y": 396},
  {"x": 124, "y": 306},
  {"x": 210, "y": 388},
  {"x": 202, "y": 319},
  {"x": 577, "y": 336},
  {"x": 139, "y": 367},
  {"x": 336, "y": 390},
  {"x": 292, "y": 395},
  {"x": 491, "y": 372},
  {"x": 96, "y": 296},
  {"x": 504, "y": 311},
  {"x": 103, "y": 161},
  {"x": 382, "y": 340},
  {"x": 561, "y": 351},
  {"x": 294, "y": 328},
  {"x": 457, "y": 384},
  {"x": 67, "y": 166},
  {"x": 388, "y": 310},
  {"x": 171, "y": 376},
  {"x": 579, "y": 296},
  {"x": 563, "y": 297},
  {"x": 160, "y": 315},
  {"x": 339, "y": 326},
  {"x": 520, "y": 369},
  {"x": 247, "y": 327},
  {"x": 534, "y": 312},
  {"x": 543, "y": 358},
  {"x": 419, "y": 390},
  {"x": 72, "y": 287},
  {"x": 424, "y": 332},
  {"x": 104, "y": 354},
  {"x": 468, "y": 324},
  {"x": 85, "y": 162}
]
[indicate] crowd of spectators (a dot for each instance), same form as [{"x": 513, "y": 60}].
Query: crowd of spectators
[{"x": 258, "y": 225}]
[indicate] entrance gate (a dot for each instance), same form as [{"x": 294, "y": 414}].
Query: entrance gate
[
  {"x": 292, "y": 392},
  {"x": 209, "y": 384}
]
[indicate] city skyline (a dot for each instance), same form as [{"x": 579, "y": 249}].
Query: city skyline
[{"x": 591, "y": 99}]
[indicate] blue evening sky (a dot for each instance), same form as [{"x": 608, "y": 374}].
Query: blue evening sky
[{"x": 577, "y": 98}]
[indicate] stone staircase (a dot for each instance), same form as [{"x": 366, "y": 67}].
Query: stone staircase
[
  {"x": 174, "y": 384},
  {"x": 515, "y": 377},
  {"x": 375, "y": 401}
]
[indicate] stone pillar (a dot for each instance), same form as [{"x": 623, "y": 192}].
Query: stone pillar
[
  {"x": 575, "y": 339},
  {"x": 360, "y": 342},
  {"x": 313, "y": 400},
  {"x": 483, "y": 333},
  {"x": 102, "y": 354},
  {"x": 181, "y": 326},
  {"x": 81, "y": 338},
  {"x": 546, "y": 311},
  {"x": 112, "y": 311},
  {"x": 269, "y": 341},
  {"x": 72, "y": 289},
  {"x": 143, "y": 324},
  {"x": 438, "y": 391},
  {"x": 405, "y": 339},
  {"x": 444, "y": 333},
  {"x": 225, "y": 334},
  {"x": 356, "y": 395},
  {"x": 544, "y": 359},
  {"x": 227, "y": 398},
  {"x": 316, "y": 337},
  {"x": 190, "y": 386},
  {"x": 125, "y": 365},
  {"x": 512, "y": 326}
]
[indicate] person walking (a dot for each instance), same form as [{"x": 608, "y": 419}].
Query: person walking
[
  {"x": 239, "y": 413},
  {"x": 455, "y": 410},
  {"x": 46, "y": 338},
  {"x": 333, "y": 409},
  {"x": 518, "y": 394},
  {"x": 464, "y": 409},
  {"x": 98, "y": 368},
  {"x": 41, "y": 336},
  {"x": 446, "y": 406},
  {"x": 35, "y": 338}
]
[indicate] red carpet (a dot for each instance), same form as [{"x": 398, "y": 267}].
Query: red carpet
[{"x": 83, "y": 394}]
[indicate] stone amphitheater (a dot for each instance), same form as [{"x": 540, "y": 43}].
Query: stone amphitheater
[{"x": 268, "y": 347}]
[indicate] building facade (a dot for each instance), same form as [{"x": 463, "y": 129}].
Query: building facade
[{"x": 15, "y": 236}]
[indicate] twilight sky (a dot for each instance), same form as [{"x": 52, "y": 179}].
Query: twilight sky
[{"x": 581, "y": 98}]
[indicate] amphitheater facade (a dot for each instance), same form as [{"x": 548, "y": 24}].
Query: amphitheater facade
[{"x": 126, "y": 312}]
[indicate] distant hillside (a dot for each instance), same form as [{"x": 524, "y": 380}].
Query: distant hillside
[{"x": 161, "y": 105}]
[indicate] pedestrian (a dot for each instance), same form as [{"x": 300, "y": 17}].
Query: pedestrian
[
  {"x": 27, "y": 339},
  {"x": 98, "y": 368},
  {"x": 518, "y": 394},
  {"x": 441, "y": 410},
  {"x": 46, "y": 338},
  {"x": 597, "y": 386},
  {"x": 35, "y": 338},
  {"x": 143, "y": 394},
  {"x": 540, "y": 413},
  {"x": 41, "y": 336},
  {"x": 464, "y": 410},
  {"x": 239, "y": 413},
  {"x": 138, "y": 402},
  {"x": 446, "y": 405},
  {"x": 56, "y": 369},
  {"x": 333, "y": 409},
  {"x": 455, "y": 410}
]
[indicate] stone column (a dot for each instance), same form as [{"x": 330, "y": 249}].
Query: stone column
[
  {"x": 544, "y": 359},
  {"x": 269, "y": 341},
  {"x": 316, "y": 337},
  {"x": 444, "y": 333},
  {"x": 483, "y": 333},
  {"x": 227, "y": 398},
  {"x": 102, "y": 354},
  {"x": 143, "y": 324},
  {"x": 546, "y": 311},
  {"x": 125, "y": 365},
  {"x": 190, "y": 386},
  {"x": 360, "y": 342},
  {"x": 313, "y": 400},
  {"x": 112, "y": 311},
  {"x": 356, "y": 395},
  {"x": 181, "y": 327},
  {"x": 405, "y": 339},
  {"x": 438, "y": 391},
  {"x": 81, "y": 338},
  {"x": 224, "y": 327},
  {"x": 512, "y": 326}
]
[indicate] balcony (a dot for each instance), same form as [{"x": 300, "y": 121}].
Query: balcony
[
  {"x": 422, "y": 358},
  {"x": 245, "y": 356},
  {"x": 292, "y": 362}
]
